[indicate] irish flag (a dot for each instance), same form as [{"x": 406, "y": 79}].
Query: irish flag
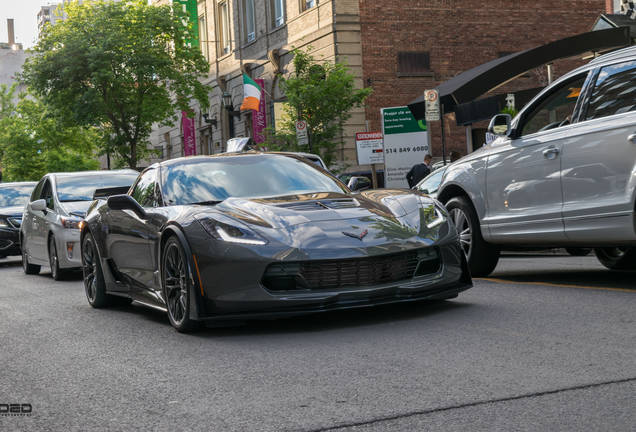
[{"x": 252, "y": 94}]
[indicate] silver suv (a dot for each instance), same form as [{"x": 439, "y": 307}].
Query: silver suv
[{"x": 561, "y": 174}]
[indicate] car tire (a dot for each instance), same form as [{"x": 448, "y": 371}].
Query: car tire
[
  {"x": 176, "y": 286},
  {"x": 578, "y": 251},
  {"x": 30, "y": 269},
  {"x": 482, "y": 256},
  {"x": 94, "y": 284},
  {"x": 617, "y": 258},
  {"x": 56, "y": 272}
]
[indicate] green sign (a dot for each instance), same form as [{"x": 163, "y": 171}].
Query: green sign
[
  {"x": 191, "y": 7},
  {"x": 400, "y": 120}
]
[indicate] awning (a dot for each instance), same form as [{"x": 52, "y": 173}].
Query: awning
[{"x": 471, "y": 84}]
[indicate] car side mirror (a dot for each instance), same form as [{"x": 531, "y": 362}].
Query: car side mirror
[
  {"x": 39, "y": 205},
  {"x": 500, "y": 125},
  {"x": 126, "y": 202},
  {"x": 359, "y": 183}
]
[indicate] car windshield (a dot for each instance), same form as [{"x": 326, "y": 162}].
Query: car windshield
[
  {"x": 199, "y": 180},
  {"x": 430, "y": 184},
  {"x": 82, "y": 187},
  {"x": 15, "y": 195}
]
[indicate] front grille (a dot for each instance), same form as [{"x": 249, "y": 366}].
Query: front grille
[
  {"x": 5, "y": 244},
  {"x": 321, "y": 205},
  {"x": 358, "y": 272}
]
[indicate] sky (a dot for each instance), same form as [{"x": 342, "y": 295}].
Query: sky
[{"x": 25, "y": 21}]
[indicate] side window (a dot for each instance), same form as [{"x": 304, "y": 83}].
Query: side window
[
  {"x": 144, "y": 189},
  {"x": 614, "y": 91},
  {"x": 555, "y": 109},
  {"x": 35, "y": 195},
  {"x": 47, "y": 194}
]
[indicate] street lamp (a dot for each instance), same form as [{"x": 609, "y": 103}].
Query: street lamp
[
  {"x": 211, "y": 121},
  {"x": 229, "y": 106}
]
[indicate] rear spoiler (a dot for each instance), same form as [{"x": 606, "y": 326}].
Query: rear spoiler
[{"x": 106, "y": 192}]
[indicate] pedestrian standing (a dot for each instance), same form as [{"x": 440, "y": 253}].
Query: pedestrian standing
[{"x": 419, "y": 171}]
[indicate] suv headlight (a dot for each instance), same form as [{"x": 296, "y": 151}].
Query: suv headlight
[
  {"x": 229, "y": 230},
  {"x": 3, "y": 224},
  {"x": 72, "y": 223}
]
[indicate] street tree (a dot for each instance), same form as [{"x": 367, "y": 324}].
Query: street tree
[
  {"x": 33, "y": 142},
  {"x": 119, "y": 66},
  {"x": 322, "y": 93}
]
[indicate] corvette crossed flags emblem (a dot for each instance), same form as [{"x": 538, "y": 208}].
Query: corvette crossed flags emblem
[{"x": 355, "y": 236}]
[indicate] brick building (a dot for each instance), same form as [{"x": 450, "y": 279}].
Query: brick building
[{"x": 399, "y": 48}]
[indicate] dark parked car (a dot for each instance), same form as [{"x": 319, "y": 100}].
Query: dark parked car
[
  {"x": 263, "y": 235},
  {"x": 13, "y": 197},
  {"x": 345, "y": 177}
]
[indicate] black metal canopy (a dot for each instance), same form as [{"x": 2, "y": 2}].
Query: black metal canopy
[{"x": 471, "y": 84}]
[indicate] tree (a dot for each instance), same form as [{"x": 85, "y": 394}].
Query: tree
[
  {"x": 322, "y": 93},
  {"x": 33, "y": 143},
  {"x": 120, "y": 66}
]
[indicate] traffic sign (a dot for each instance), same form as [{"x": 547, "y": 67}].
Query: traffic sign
[
  {"x": 301, "y": 129},
  {"x": 431, "y": 103}
]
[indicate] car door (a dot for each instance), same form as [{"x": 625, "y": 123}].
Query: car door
[
  {"x": 599, "y": 160},
  {"x": 38, "y": 249},
  {"x": 29, "y": 223},
  {"x": 127, "y": 235},
  {"x": 523, "y": 184}
]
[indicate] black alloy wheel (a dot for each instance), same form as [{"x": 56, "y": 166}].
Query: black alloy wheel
[
  {"x": 617, "y": 258},
  {"x": 176, "y": 285},
  {"x": 574, "y": 251},
  {"x": 56, "y": 272},
  {"x": 482, "y": 256},
  {"x": 94, "y": 284},
  {"x": 30, "y": 269}
]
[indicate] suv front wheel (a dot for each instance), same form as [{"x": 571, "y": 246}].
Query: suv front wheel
[
  {"x": 482, "y": 256},
  {"x": 617, "y": 258}
]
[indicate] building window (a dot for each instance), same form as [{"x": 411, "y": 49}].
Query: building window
[
  {"x": 248, "y": 19},
  {"x": 307, "y": 4},
  {"x": 203, "y": 38},
  {"x": 414, "y": 63},
  {"x": 224, "y": 28},
  {"x": 278, "y": 9}
]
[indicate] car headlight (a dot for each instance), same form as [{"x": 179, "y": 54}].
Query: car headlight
[
  {"x": 229, "y": 230},
  {"x": 431, "y": 213},
  {"x": 72, "y": 223},
  {"x": 3, "y": 224}
]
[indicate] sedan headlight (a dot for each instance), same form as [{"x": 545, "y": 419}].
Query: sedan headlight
[
  {"x": 229, "y": 230},
  {"x": 72, "y": 223}
]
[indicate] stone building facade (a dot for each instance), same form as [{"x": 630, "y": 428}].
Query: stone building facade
[{"x": 400, "y": 49}]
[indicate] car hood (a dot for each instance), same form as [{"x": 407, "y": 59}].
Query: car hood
[
  {"x": 77, "y": 208},
  {"x": 12, "y": 211}
]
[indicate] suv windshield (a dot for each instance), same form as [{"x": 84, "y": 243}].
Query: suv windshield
[
  {"x": 15, "y": 195},
  {"x": 251, "y": 176},
  {"x": 82, "y": 187}
]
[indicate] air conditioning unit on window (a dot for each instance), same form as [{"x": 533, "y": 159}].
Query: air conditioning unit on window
[
  {"x": 310, "y": 3},
  {"x": 226, "y": 50},
  {"x": 251, "y": 37}
]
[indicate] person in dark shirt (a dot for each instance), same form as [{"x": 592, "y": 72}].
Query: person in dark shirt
[{"x": 419, "y": 171}]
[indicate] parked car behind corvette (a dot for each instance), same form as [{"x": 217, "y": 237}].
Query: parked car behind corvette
[
  {"x": 561, "y": 174},
  {"x": 13, "y": 197},
  {"x": 49, "y": 234}
]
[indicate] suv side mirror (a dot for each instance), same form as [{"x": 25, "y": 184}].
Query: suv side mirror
[
  {"x": 500, "y": 125},
  {"x": 39, "y": 205},
  {"x": 359, "y": 183},
  {"x": 126, "y": 202}
]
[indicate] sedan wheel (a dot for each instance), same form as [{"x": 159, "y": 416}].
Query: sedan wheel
[
  {"x": 482, "y": 256},
  {"x": 57, "y": 273},
  {"x": 29, "y": 269},
  {"x": 177, "y": 286},
  {"x": 94, "y": 284},
  {"x": 622, "y": 258}
]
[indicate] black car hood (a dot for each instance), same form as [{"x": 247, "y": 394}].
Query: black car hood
[
  {"x": 77, "y": 208},
  {"x": 11, "y": 211}
]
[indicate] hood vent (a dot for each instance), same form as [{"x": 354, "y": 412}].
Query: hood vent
[{"x": 321, "y": 205}]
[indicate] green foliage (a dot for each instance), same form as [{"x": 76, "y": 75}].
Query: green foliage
[
  {"x": 119, "y": 66},
  {"x": 323, "y": 93},
  {"x": 33, "y": 143},
  {"x": 511, "y": 111}
]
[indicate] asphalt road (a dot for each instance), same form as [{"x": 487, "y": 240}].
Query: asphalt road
[{"x": 545, "y": 343}]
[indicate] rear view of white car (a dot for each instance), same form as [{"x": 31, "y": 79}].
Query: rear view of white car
[{"x": 49, "y": 234}]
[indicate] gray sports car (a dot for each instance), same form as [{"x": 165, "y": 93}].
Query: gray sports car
[{"x": 262, "y": 235}]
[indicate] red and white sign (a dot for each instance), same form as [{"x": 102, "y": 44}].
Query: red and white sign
[
  {"x": 431, "y": 103},
  {"x": 301, "y": 132},
  {"x": 369, "y": 147}
]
